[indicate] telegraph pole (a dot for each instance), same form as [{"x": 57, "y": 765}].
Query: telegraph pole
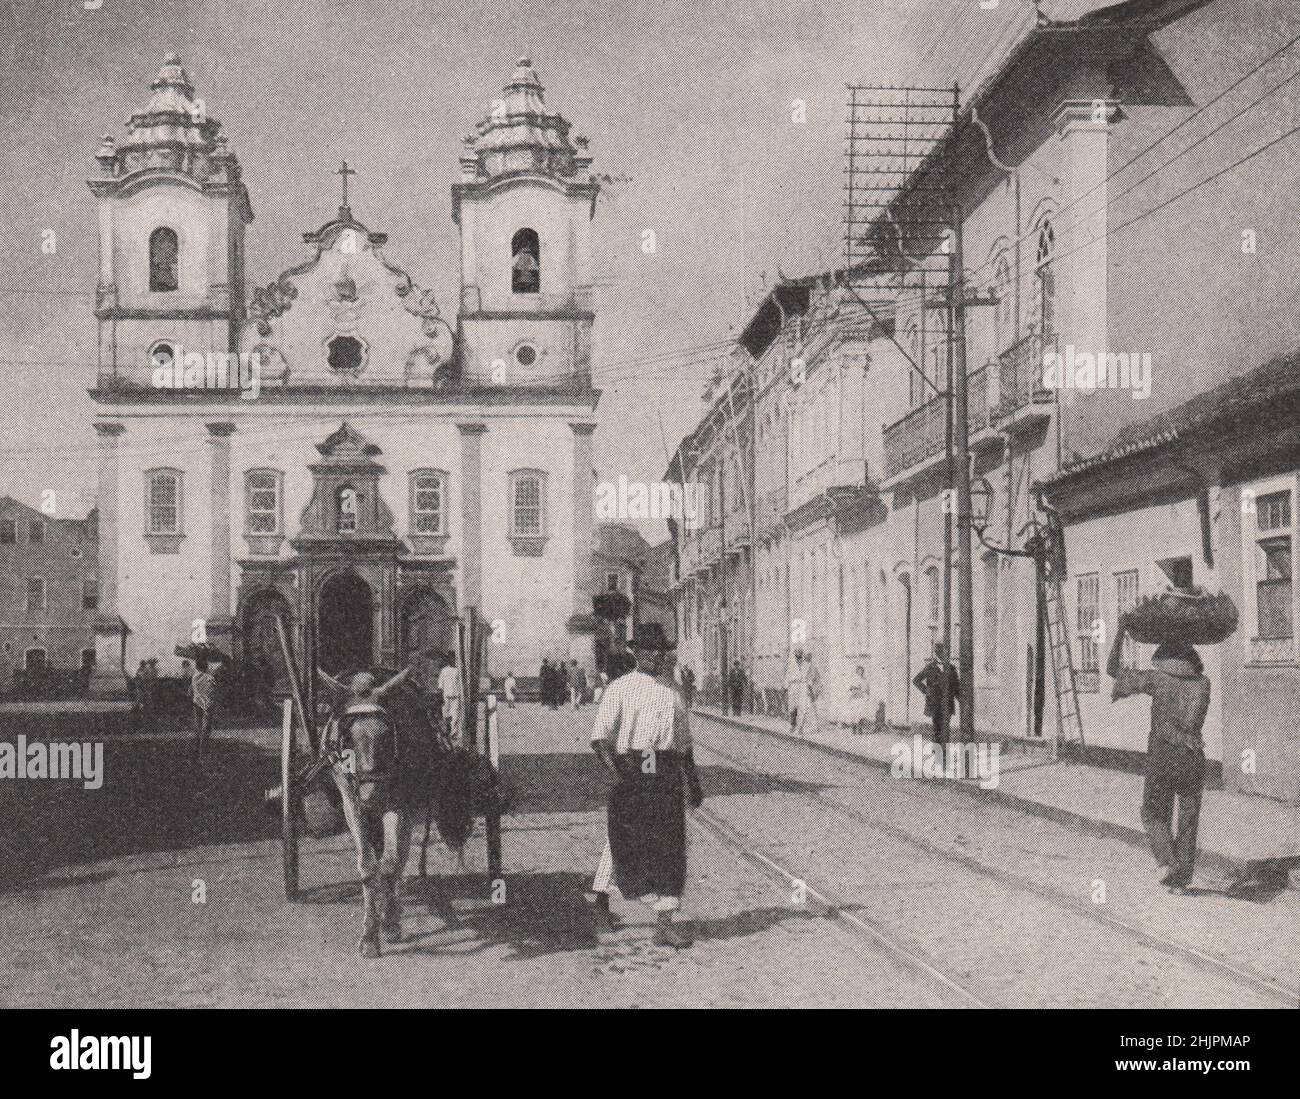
[
  {"x": 959, "y": 390},
  {"x": 962, "y": 474}
]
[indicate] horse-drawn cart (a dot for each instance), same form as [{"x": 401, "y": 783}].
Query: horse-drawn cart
[{"x": 453, "y": 780}]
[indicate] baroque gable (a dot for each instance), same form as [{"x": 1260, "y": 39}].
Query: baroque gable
[{"x": 347, "y": 318}]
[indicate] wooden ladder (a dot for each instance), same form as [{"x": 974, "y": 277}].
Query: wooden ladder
[{"x": 1058, "y": 640}]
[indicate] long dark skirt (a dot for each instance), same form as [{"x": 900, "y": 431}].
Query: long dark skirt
[{"x": 647, "y": 826}]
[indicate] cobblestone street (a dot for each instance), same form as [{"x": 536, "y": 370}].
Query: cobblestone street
[{"x": 940, "y": 902}]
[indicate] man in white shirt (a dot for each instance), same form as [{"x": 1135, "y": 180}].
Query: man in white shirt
[
  {"x": 449, "y": 688},
  {"x": 642, "y": 737}
]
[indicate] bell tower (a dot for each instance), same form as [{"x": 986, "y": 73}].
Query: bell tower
[
  {"x": 172, "y": 214},
  {"x": 524, "y": 205}
]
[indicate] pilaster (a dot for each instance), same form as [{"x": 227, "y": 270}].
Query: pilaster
[
  {"x": 471, "y": 514},
  {"x": 220, "y": 625},
  {"x": 109, "y": 678}
]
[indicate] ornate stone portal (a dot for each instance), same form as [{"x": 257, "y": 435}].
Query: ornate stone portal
[{"x": 352, "y": 595}]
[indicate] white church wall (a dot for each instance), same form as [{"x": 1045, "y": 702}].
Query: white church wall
[
  {"x": 161, "y": 594},
  {"x": 531, "y": 596}
]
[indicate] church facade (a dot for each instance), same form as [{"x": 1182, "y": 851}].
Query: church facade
[{"x": 330, "y": 448}]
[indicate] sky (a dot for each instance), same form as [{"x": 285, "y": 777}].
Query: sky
[{"x": 688, "y": 106}]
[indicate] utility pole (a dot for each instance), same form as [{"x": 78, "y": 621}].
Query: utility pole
[{"x": 962, "y": 473}]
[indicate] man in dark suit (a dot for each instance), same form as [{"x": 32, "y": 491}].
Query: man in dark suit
[{"x": 930, "y": 682}]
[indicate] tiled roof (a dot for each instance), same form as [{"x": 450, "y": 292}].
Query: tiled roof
[{"x": 1245, "y": 394}]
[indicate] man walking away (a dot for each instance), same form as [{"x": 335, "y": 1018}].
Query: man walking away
[
  {"x": 1175, "y": 768},
  {"x": 449, "y": 688},
  {"x": 930, "y": 682},
  {"x": 510, "y": 688},
  {"x": 736, "y": 687},
  {"x": 619, "y": 663},
  {"x": 642, "y": 737},
  {"x": 202, "y": 688},
  {"x": 688, "y": 686}
]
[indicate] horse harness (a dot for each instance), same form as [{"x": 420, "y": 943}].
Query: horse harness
[{"x": 368, "y": 730}]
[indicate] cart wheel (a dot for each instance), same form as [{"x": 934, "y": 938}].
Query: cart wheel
[{"x": 288, "y": 804}]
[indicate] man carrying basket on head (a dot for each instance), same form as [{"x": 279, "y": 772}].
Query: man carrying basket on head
[{"x": 1180, "y": 699}]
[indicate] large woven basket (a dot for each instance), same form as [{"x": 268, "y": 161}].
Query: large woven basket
[{"x": 1183, "y": 616}]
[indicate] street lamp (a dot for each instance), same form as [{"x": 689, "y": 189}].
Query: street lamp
[{"x": 981, "y": 500}]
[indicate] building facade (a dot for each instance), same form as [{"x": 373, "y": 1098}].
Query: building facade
[
  {"x": 49, "y": 591},
  {"x": 1091, "y": 308},
  {"x": 392, "y": 467},
  {"x": 712, "y": 586}
]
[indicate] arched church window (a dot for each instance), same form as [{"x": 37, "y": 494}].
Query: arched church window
[
  {"x": 164, "y": 260},
  {"x": 347, "y": 510},
  {"x": 525, "y": 262}
]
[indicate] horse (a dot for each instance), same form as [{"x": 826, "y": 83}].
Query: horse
[
  {"x": 394, "y": 762},
  {"x": 383, "y": 776}
]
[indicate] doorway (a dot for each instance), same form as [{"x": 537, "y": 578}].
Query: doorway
[
  {"x": 345, "y": 625},
  {"x": 428, "y": 626}
]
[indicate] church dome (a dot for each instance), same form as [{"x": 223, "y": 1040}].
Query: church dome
[
  {"x": 521, "y": 136},
  {"x": 171, "y": 134}
]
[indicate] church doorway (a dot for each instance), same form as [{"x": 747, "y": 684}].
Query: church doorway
[
  {"x": 427, "y": 625},
  {"x": 345, "y": 625},
  {"x": 261, "y": 642}
]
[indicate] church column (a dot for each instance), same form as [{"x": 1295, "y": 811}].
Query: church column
[
  {"x": 471, "y": 514},
  {"x": 582, "y": 624},
  {"x": 220, "y": 625},
  {"x": 109, "y": 679}
]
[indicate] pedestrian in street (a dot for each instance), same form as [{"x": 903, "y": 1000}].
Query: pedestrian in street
[
  {"x": 930, "y": 682},
  {"x": 263, "y": 683},
  {"x": 146, "y": 696},
  {"x": 859, "y": 710},
  {"x": 736, "y": 687},
  {"x": 642, "y": 737},
  {"x": 202, "y": 695},
  {"x": 449, "y": 689},
  {"x": 1175, "y": 765},
  {"x": 602, "y": 681},
  {"x": 619, "y": 662},
  {"x": 812, "y": 693},
  {"x": 688, "y": 686},
  {"x": 509, "y": 686},
  {"x": 577, "y": 684},
  {"x": 796, "y": 687},
  {"x": 546, "y": 684}
]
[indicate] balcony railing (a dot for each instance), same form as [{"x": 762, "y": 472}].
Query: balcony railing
[
  {"x": 918, "y": 436},
  {"x": 1020, "y": 375}
]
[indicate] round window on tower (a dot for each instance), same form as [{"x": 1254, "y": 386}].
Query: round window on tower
[
  {"x": 525, "y": 354},
  {"x": 163, "y": 355}
]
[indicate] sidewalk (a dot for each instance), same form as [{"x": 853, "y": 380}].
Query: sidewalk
[{"x": 1241, "y": 835}]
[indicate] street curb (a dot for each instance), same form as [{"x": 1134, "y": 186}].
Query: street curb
[{"x": 1236, "y": 869}]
